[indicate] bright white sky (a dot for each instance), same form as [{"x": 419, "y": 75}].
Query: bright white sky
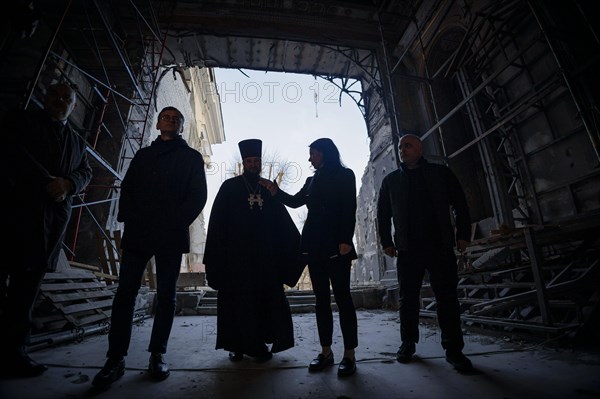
[{"x": 280, "y": 109}]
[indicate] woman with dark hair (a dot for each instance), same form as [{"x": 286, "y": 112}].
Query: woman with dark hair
[{"x": 330, "y": 196}]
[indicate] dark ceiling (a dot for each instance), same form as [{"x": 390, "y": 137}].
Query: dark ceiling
[{"x": 313, "y": 37}]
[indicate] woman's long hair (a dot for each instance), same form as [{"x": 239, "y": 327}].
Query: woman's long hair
[{"x": 331, "y": 154}]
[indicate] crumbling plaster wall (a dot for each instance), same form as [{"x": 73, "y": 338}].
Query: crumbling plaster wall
[{"x": 372, "y": 267}]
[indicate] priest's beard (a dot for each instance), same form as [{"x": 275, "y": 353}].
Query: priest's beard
[{"x": 252, "y": 174}]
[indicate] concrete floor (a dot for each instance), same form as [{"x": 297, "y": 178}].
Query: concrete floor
[{"x": 504, "y": 369}]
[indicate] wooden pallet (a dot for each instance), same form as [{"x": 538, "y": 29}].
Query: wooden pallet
[{"x": 69, "y": 299}]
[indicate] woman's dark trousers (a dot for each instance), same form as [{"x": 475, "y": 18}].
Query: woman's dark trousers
[{"x": 336, "y": 271}]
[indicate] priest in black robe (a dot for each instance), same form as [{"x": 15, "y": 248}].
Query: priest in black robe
[{"x": 252, "y": 249}]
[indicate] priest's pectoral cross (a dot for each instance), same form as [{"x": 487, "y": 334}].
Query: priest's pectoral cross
[{"x": 255, "y": 199}]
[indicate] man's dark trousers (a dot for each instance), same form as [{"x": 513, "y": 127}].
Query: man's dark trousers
[{"x": 442, "y": 268}]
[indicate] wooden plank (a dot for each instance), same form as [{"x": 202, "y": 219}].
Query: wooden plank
[
  {"x": 106, "y": 277},
  {"x": 72, "y": 286},
  {"x": 80, "y": 307},
  {"x": 85, "y": 266},
  {"x": 75, "y": 274},
  {"x": 79, "y": 295},
  {"x": 102, "y": 253},
  {"x": 112, "y": 259},
  {"x": 87, "y": 317},
  {"x": 94, "y": 318}
]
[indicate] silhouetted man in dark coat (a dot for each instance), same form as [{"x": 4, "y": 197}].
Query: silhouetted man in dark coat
[
  {"x": 46, "y": 165},
  {"x": 417, "y": 198},
  {"x": 162, "y": 193}
]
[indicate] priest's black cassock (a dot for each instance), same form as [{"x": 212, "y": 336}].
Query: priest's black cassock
[{"x": 252, "y": 246}]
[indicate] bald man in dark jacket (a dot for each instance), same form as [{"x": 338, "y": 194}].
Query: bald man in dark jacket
[{"x": 418, "y": 197}]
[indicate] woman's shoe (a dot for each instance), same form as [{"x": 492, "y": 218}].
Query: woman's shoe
[
  {"x": 320, "y": 362},
  {"x": 236, "y": 356},
  {"x": 347, "y": 367}
]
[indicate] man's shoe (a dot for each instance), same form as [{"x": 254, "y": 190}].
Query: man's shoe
[
  {"x": 459, "y": 360},
  {"x": 320, "y": 362},
  {"x": 22, "y": 366},
  {"x": 113, "y": 369},
  {"x": 158, "y": 368},
  {"x": 347, "y": 367},
  {"x": 406, "y": 352},
  {"x": 236, "y": 356}
]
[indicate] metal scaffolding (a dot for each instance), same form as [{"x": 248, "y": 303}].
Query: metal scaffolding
[
  {"x": 111, "y": 112},
  {"x": 530, "y": 274}
]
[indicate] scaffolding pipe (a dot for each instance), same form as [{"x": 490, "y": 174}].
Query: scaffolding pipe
[
  {"x": 94, "y": 79},
  {"x": 100, "y": 228},
  {"x": 101, "y": 160},
  {"x": 43, "y": 61},
  {"x": 389, "y": 81},
  {"x": 99, "y": 55},
  {"x": 47, "y": 340},
  {"x": 97, "y": 202},
  {"x": 478, "y": 89},
  {"x": 430, "y": 88},
  {"x": 504, "y": 119},
  {"x": 144, "y": 19},
  {"x": 580, "y": 111},
  {"x": 418, "y": 34},
  {"x": 102, "y": 113},
  {"x": 116, "y": 46},
  {"x": 79, "y": 212},
  {"x": 587, "y": 21},
  {"x": 154, "y": 84}
]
